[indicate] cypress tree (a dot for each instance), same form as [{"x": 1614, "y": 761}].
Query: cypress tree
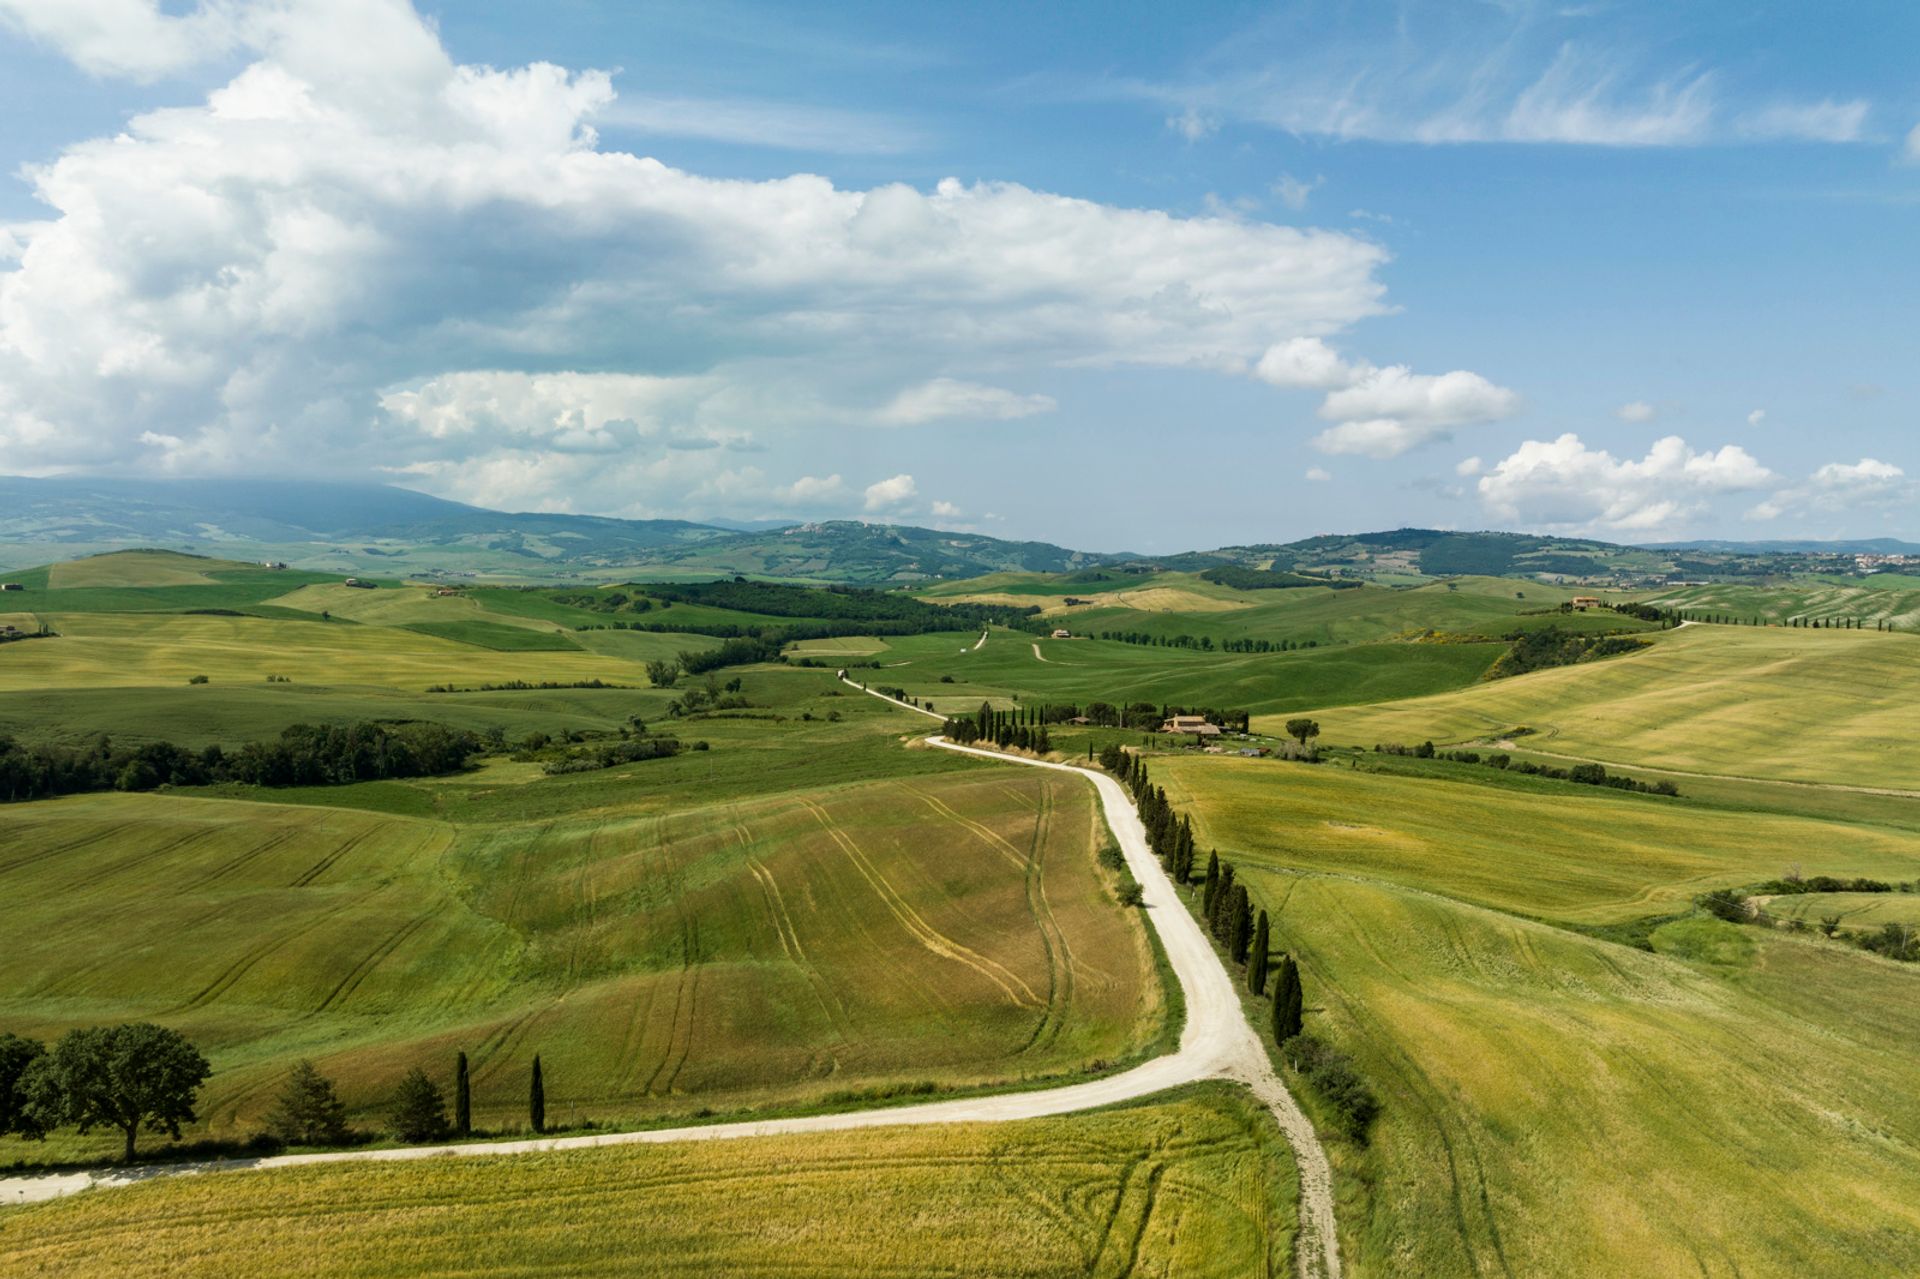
[
  {"x": 1239, "y": 924},
  {"x": 537, "y": 1098},
  {"x": 1257, "y": 958},
  {"x": 1222, "y": 897},
  {"x": 462, "y": 1098},
  {"x": 1213, "y": 882},
  {"x": 1286, "y": 1001}
]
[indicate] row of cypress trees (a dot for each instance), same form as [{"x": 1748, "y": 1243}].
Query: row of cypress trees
[
  {"x": 1023, "y": 728},
  {"x": 1226, "y": 906}
]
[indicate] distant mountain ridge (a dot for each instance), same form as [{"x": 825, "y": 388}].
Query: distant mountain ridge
[
  {"x": 372, "y": 527},
  {"x": 340, "y": 527}
]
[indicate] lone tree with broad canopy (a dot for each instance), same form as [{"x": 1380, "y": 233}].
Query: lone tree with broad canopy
[
  {"x": 419, "y": 1111},
  {"x": 1303, "y": 729},
  {"x": 307, "y": 1112},
  {"x": 16, "y": 1055},
  {"x": 125, "y": 1077}
]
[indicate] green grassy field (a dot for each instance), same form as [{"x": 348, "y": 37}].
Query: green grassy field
[
  {"x": 1081, "y": 671},
  {"x": 1800, "y": 705},
  {"x": 1729, "y": 1101},
  {"x": 1594, "y": 857},
  {"x": 1560, "y": 1105},
  {"x": 1855, "y": 910},
  {"x": 668, "y": 935},
  {"x": 1196, "y": 1184},
  {"x": 121, "y": 650}
]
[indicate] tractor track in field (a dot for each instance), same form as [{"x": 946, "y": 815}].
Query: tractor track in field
[{"x": 1215, "y": 1043}]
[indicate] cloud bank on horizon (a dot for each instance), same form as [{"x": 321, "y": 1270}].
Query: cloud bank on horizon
[{"x": 354, "y": 252}]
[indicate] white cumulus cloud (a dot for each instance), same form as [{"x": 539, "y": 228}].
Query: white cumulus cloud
[
  {"x": 1562, "y": 483},
  {"x": 889, "y": 493},
  {"x": 1637, "y": 411},
  {"x": 945, "y": 397},
  {"x": 1382, "y": 412},
  {"x": 359, "y": 254},
  {"x": 1840, "y": 487},
  {"x": 1756, "y": 417},
  {"x": 132, "y": 38},
  {"x": 813, "y": 490},
  {"x": 1319, "y": 474}
]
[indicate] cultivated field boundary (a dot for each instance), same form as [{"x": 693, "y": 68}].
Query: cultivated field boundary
[{"x": 1216, "y": 1042}]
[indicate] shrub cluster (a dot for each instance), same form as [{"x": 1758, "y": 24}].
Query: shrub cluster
[
  {"x": 1332, "y": 1075},
  {"x": 611, "y": 754},
  {"x": 1551, "y": 646}
]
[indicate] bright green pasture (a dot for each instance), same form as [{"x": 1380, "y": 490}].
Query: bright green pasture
[
  {"x": 400, "y": 606},
  {"x": 1801, "y": 705},
  {"x": 1083, "y": 671},
  {"x": 1173, "y": 605},
  {"x": 1856, "y": 910},
  {"x": 231, "y": 713},
  {"x": 1594, "y": 858},
  {"x": 1560, "y": 1105},
  {"x": 501, "y": 639},
  {"x": 151, "y": 582},
  {"x": 105, "y": 650},
  {"x": 661, "y": 945},
  {"x": 1194, "y": 1184}
]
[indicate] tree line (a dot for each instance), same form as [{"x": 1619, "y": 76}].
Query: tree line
[
  {"x": 1206, "y": 643},
  {"x": 1227, "y": 910},
  {"x": 142, "y": 1077},
  {"x": 303, "y": 755},
  {"x": 1585, "y": 774}
]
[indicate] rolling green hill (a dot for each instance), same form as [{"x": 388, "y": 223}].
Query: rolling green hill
[
  {"x": 1767, "y": 702},
  {"x": 1715, "y": 1098},
  {"x": 665, "y": 938}
]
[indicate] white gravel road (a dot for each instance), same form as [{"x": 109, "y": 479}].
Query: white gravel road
[{"x": 1216, "y": 1043}]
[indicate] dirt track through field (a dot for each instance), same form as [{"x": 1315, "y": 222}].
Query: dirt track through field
[{"x": 1216, "y": 1043}]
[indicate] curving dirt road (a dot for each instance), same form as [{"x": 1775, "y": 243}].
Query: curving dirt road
[{"x": 1216, "y": 1043}]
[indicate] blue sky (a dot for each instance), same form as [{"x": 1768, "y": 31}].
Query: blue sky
[{"x": 1118, "y": 276}]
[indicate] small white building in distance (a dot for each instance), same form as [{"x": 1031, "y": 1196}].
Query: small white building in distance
[{"x": 1063, "y": 634}]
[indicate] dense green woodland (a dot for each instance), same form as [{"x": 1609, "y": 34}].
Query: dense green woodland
[{"x": 303, "y": 755}]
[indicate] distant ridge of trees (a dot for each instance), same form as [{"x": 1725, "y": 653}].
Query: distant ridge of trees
[
  {"x": 304, "y": 755},
  {"x": 1262, "y": 579}
]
